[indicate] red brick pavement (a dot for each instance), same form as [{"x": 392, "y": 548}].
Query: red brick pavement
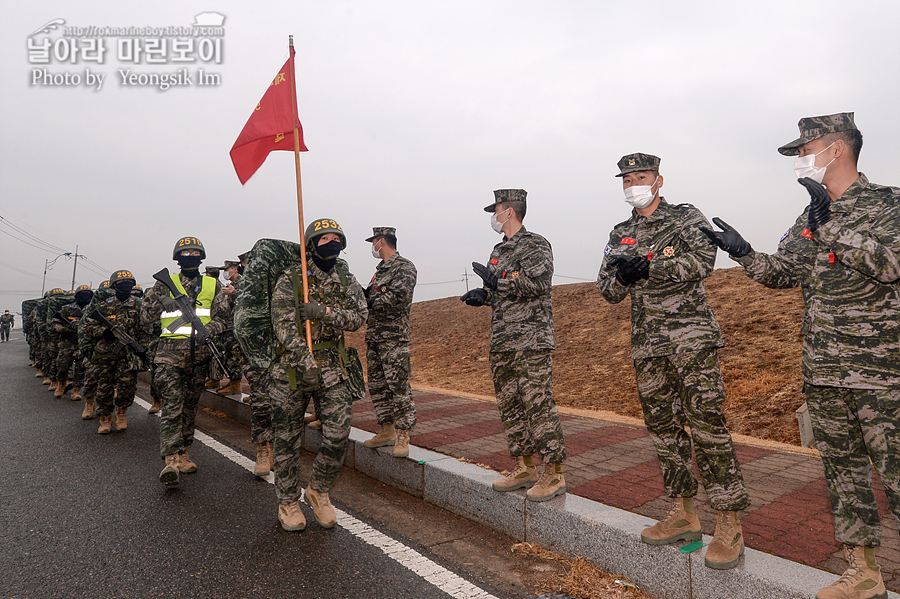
[{"x": 615, "y": 464}]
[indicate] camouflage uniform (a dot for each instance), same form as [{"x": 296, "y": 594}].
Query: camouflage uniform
[
  {"x": 849, "y": 271},
  {"x": 117, "y": 365},
  {"x": 674, "y": 341},
  {"x": 57, "y": 300},
  {"x": 522, "y": 338},
  {"x": 7, "y": 321},
  {"x": 181, "y": 367},
  {"x": 87, "y": 342},
  {"x": 348, "y": 313},
  {"x": 390, "y": 294},
  {"x": 69, "y": 356}
]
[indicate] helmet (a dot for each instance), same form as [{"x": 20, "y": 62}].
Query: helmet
[
  {"x": 188, "y": 243},
  {"x": 121, "y": 275},
  {"x": 137, "y": 291},
  {"x": 85, "y": 289},
  {"x": 320, "y": 227},
  {"x": 56, "y": 291},
  {"x": 103, "y": 285}
]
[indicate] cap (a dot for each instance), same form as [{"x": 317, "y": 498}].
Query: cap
[
  {"x": 230, "y": 264},
  {"x": 383, "y": 232},
  {"x": 212, "y": 271},
  {"x": 814, "y": 127},
  {"x": 244, "y": 257},
  {"x": 632, "y": 163},
  {"x": 506, "y": 195}
]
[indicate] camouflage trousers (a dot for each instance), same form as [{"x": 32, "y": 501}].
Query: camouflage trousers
[
  {"x": 89, "y": 388},
  {"x": 388, "y": 367},
  {"x": 116, "y": 384},
  {"x": 687, "y": 389},
  {"x": 851, "y": 426},
  {"x": 48, "y": 361},
  {"x": 260, "y": 405},
  {"x": 4, "y": 332},
  {"x": 288, "y": 408},
  {"x": 69, "y": 357},
  {"x": 179, "y": 389},
  {"x": 522, "y": 384}
]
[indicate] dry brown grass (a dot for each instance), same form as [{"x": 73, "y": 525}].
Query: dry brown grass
[
  {"x": 592, "y": 362},
  {"x": 579, "y": 578}
]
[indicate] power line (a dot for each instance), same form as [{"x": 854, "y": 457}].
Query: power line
[{"x": 22, "y": 231}]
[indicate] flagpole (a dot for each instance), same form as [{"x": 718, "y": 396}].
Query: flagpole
[{"x": 305, "y": 280}]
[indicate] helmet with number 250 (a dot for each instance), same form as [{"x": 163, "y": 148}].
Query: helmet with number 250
[{"x": 320, "y": 227}]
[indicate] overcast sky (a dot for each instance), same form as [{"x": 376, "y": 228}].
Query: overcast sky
[{"x": 414, "y": 112}]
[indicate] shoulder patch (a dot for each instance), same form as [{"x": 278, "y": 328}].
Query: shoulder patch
[
  {"x": 786, "y": 233},
  {"x": 607, "y": 250},
  {"x": 628, "y": 241}
]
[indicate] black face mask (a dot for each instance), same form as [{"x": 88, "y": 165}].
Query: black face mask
[
  {"x": 326, "y": 255},
  {"x": 83, "y": 299},
  {"x": 190, "y": 265},
  {"x": 123, "y": 290}
]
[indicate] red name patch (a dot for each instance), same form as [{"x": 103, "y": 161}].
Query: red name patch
[
  {"x": 629, "y": 241},
  {"x": 807, "y": 233},
  {"x": 494, "y": 261}
]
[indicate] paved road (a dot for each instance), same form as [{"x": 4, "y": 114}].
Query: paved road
[{"x": 83, "y": 515}]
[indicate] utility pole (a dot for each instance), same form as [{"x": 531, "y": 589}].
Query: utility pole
[
  {"x": 466, "y": 277},
  {"x": 74, "y": 267}
]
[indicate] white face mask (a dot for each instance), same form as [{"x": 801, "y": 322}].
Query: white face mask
[
  {"x": 640, "y": 196},
  {"x": 805, "y": 166},
  {"x": 375, "y": 253},
  {"x": 496, "y": 225}
]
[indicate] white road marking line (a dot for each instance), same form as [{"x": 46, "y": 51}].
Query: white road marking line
[{"x": 439, "y": 576}]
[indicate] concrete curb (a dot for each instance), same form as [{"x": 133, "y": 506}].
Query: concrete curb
[{"x": 570, "y": 525}]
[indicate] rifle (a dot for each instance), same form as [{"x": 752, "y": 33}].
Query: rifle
[
  {"x": 189, "y": 315},
  {"x": 122, "y": 337}
]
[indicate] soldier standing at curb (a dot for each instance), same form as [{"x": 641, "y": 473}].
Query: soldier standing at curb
[
  {"x": 336, "y": 304},
  {"x": 7, "y": 321},
  {"x": 389, "y": 297},
  {"x": 117, "y": 363},
  {"x": 517, "y": 286},
  {"x": 844, "y": 252},
  {"x": 182, "y": 359},
  {"x": 660, "y": 257}
]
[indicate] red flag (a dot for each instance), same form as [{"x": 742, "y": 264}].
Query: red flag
[{"x": 269, "y": 127}]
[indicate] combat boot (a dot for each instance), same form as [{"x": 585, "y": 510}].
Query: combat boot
[
  {"x": 263, "y": 465},
  {"x": 88, "y": 409},
  {"x": 46, "y": 381},
  {"x": 169, "y": 474},
  {"x": 386, "y": 436},
  {"x": 315, "y": 424},
  {"x": 291, "y": 516},
  {"x": 121, "y": 419},
  {"x": 185, "y": 464},
  {"x": 76, "y": 394},
  {"x": 230, "y": 388},
  {"x": 52, "y": 384},
  {"x": 310, "y": 418},
  {"x": 727, "y": 545},
  {"x": 210, "y": 384},
  {"x": 322, "y": 508},
  {"x": 551, "y": 484},
  {"x": 105, "y": 425},
  {"x": 681, "y": 524},
  {"x": 524, "y": 475},
  {"x": 862, "y": 580},
  {"x": 60, "y": 389},
  {"x": 401, "y": 447},
  {"x": 38, "y": 374},
  {"x": 157, "y": 404}
]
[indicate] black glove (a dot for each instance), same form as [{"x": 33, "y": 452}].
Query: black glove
[
  {"x": 631, "y": 270},
  {"x": 312, "y": 311},
  {"x": 108, "y": 336},
  {"x": 819, "y": 205},
  {"x": 311, "y": 379},
  {"x": 728, "y": 239},
  {"x": 486, "y": 275},
  {"x": 169, "y": 304},
  {"x": 475, "y": 297}
]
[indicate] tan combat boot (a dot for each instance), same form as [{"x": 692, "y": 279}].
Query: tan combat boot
[
  {"x": 49, "y": 381},
  {"x": 105, "y": 425},
  {"x": 862, "y": 580},
  {"x": 401, "y": 447},
  {"x": 169, "y": 474},
  {"x": 322, "y": 508},
  {"x": 121, "y": 419},
  {"x": 157, "y": 404},
  {"x": 210, "y": 384},
  {"x": 185, "y": 464},
  {"x": 60, "y": 389},
  {"x": 524, "y": 475},
  {"x": 681, "y": 524},
  {"x": 727, "y": 545},
  {"x": 310, "y": 418},
  {"x": 263, "y": 465},
  {"x": 76, "y": 394},
  {"x": 38, "y": 374},
  {"x": 88, "y": 409},
  {"x": 231, "y": 387},
  {"x": 291, "y": 516},
  {"x": 315, "y": 424},
  {"x": 551, "y": 484},
  {"x": 386, "y": 436}
]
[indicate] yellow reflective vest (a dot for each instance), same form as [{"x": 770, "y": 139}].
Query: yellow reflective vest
[{"x": 203, "y": 308}]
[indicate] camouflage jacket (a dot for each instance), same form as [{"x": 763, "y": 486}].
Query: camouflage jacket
[
  {"x": 348, "y": 313},
  {"x": 849, "y": 271},
  {"x": 7, "y": 320},
  {"x": 669, "y": 310},
  {"x": 522, "y": 307},
  {"x": 226, "y": 304},
  {"x": 179, "y": 352},
  {"x": 67, "y": 328},
  {"x": 123, "y": 314},
  {"x": 54, "y": 305},
  {"x": 391, "y": 295}
]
